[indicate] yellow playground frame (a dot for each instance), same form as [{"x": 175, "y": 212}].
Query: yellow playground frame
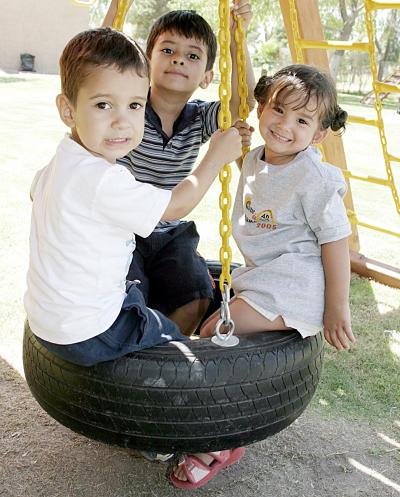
[{"x": 307, "y": 45}]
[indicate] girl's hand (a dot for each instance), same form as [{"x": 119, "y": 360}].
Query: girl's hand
[
  {"x": 245, "y": 131},
  {"x": 242, "y": 10},
  {"x": 337, "y": 326}
]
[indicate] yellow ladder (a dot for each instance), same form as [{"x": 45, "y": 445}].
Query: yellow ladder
[
  {"x": 310, "y": 23},
  {"x": 378, "y": 87},
  {"x": 392, "y": 78}
]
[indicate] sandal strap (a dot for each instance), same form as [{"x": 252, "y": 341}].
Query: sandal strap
[
  {"x": 220, "y": 461},
  {"x": 220, "y": 456},
  {"x": 196, "y": 463}
]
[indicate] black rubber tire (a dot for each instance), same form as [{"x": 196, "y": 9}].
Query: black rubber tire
[
  {"x": 169, "y": 398},
  {"x": 192, "y": 397}
]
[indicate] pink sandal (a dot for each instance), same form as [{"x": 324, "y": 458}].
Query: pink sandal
[{"x": 221, "y": 460}]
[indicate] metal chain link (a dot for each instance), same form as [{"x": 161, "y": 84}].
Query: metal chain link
[
  {"x": 243, "y": 88},
  {"x": 119, "y": 19},
  {"x": 224, "y": 121},
  {"x": 378, "y": 103},
  {"x": 296, "y": 33}
]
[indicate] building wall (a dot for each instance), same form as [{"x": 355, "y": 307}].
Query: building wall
[{"x": 41, "y": 28}]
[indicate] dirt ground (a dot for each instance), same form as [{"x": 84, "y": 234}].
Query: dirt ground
[{"x": 312, "y": 458}]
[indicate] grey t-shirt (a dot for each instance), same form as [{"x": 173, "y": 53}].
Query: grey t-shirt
[{"x": 281, "y": 216}]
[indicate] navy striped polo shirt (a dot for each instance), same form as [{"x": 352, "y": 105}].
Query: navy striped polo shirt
[{"x": 165, "y": 161}]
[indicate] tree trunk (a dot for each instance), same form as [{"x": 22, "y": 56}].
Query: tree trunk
[
  {"x": 345, "y": 33},
  {"x": 389, "y": 38}
]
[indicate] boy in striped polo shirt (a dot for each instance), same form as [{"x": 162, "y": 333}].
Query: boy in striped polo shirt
[{"x": 182, "y": 49}]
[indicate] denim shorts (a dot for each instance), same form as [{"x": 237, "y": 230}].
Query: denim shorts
[
  {"x": 171, "y": 271},
  {"x": 137, "y": 327}
]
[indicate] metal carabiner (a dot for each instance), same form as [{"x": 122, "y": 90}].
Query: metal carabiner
[{"x": 225, "y": 339}]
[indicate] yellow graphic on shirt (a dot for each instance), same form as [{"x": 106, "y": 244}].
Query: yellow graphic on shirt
[
  {"x": 263, "y": 219},
  {"x": 265, "y": 216},
  {"x": 247, "y": 202}
]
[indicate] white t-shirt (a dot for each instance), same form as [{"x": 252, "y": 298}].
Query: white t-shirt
[{"x": 85, "y": 214}]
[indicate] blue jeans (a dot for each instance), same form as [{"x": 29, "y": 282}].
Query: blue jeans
[
  {"x": 137, "y": 327},
  {"x": 171, "y": 271}
]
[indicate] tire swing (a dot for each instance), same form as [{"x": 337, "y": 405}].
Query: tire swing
[{"x": 194, "y": 396}]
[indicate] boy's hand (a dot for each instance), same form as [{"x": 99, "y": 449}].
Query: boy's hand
[
  {"x": 242, "y": 10},
  {"x": 337, "y": 327},
  {"x": 245, "y": 131},
  {"x": 225, "y": 146}
]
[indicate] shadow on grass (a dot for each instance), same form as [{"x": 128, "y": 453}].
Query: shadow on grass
[{"x": 390, "y": 102}]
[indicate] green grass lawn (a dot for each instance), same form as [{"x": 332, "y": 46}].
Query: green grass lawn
[
  {"x": 390, "y": 102},
  {"x": 361, "y": 384}
]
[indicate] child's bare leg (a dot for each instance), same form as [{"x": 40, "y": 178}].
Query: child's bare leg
[
  {"x": 189, "y": 316},
  {"x": 247, "y": 320}
]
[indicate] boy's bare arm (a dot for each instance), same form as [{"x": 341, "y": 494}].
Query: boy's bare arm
[
  {"x": 112, "y": 10},
  {"x": 224, "y": 147},
  {"x": 337, "y": 323},
  {"x": 242, "y": 10}
]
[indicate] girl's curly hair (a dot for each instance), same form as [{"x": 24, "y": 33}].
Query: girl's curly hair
[{"x": 309, "y": 82}]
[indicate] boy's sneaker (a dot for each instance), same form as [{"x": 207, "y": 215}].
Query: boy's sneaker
[{"x": 155, "y": 456}]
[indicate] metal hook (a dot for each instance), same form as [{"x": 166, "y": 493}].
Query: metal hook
[{"x": 226, "y": 339}]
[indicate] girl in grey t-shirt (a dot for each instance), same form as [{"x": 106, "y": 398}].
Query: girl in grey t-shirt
[{"x": 289, "y": 220}]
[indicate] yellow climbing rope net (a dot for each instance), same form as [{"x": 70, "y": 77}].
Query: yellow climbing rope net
[{"x": 378, "y": 87}]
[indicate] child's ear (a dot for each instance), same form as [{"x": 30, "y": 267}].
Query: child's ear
[
  {"x": 260, "y": 108},
  {"x": 66, "y": 110},
  {"x": 319, "y": 136},
  {"x": 208, "y": 77}
]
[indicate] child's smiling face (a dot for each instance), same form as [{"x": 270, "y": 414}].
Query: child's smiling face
[
  {"x": 178, "y": 64},
  {"x": 287, "y": 129},
  {"x": 108, "y": 118}
]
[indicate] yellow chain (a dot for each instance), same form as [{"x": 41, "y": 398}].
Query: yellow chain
[
  {"x": 296, "y": 33},
  {"x": 378, "y": 103},
  {"x": 122, "y": 10},
  {"x": 224, "y": 121},
  {"x": 243, "y": 89},
  {"x": 370, "y": 5}
]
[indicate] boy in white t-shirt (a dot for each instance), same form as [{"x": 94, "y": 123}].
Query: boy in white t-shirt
[{"x": 87, "y": 209}]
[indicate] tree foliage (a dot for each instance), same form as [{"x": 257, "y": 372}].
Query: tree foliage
[{"x": 267, "y": 40}]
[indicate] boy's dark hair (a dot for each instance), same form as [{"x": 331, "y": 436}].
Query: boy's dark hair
[
  {"x": 95, "y": 48},
  {"x": 310, "y": 82},
  {"x": 186, "y": 23}
]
